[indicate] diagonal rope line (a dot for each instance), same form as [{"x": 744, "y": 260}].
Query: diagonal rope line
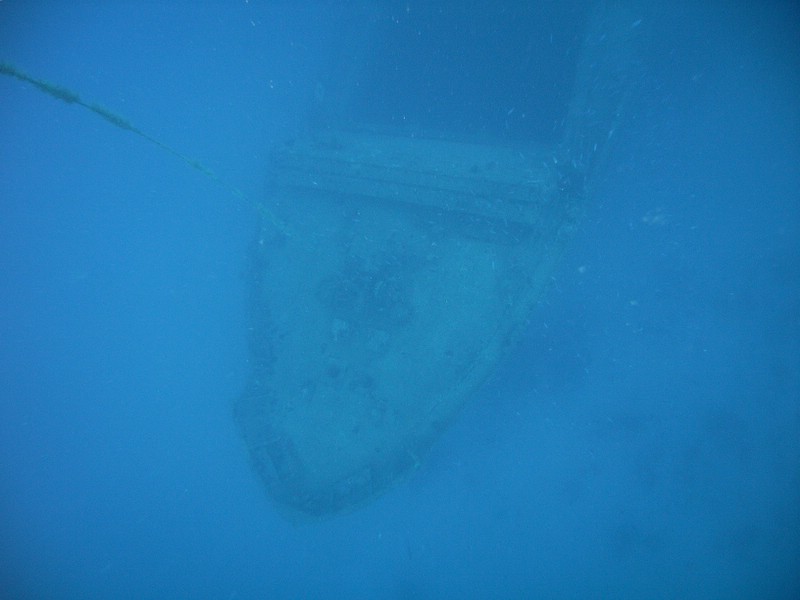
[{"x": 70, "y": 97}]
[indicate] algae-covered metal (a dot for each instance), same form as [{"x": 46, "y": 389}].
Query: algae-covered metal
[{"x": 409, "y": 267}]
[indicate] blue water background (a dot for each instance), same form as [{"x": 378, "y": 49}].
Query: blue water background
[{"x": 643, "y": 441}]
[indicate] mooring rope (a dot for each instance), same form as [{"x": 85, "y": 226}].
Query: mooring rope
[{"x": 70, "y": 97}]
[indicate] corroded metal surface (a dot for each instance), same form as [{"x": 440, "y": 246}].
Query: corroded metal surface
[{"x": 409, "y": 267}]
